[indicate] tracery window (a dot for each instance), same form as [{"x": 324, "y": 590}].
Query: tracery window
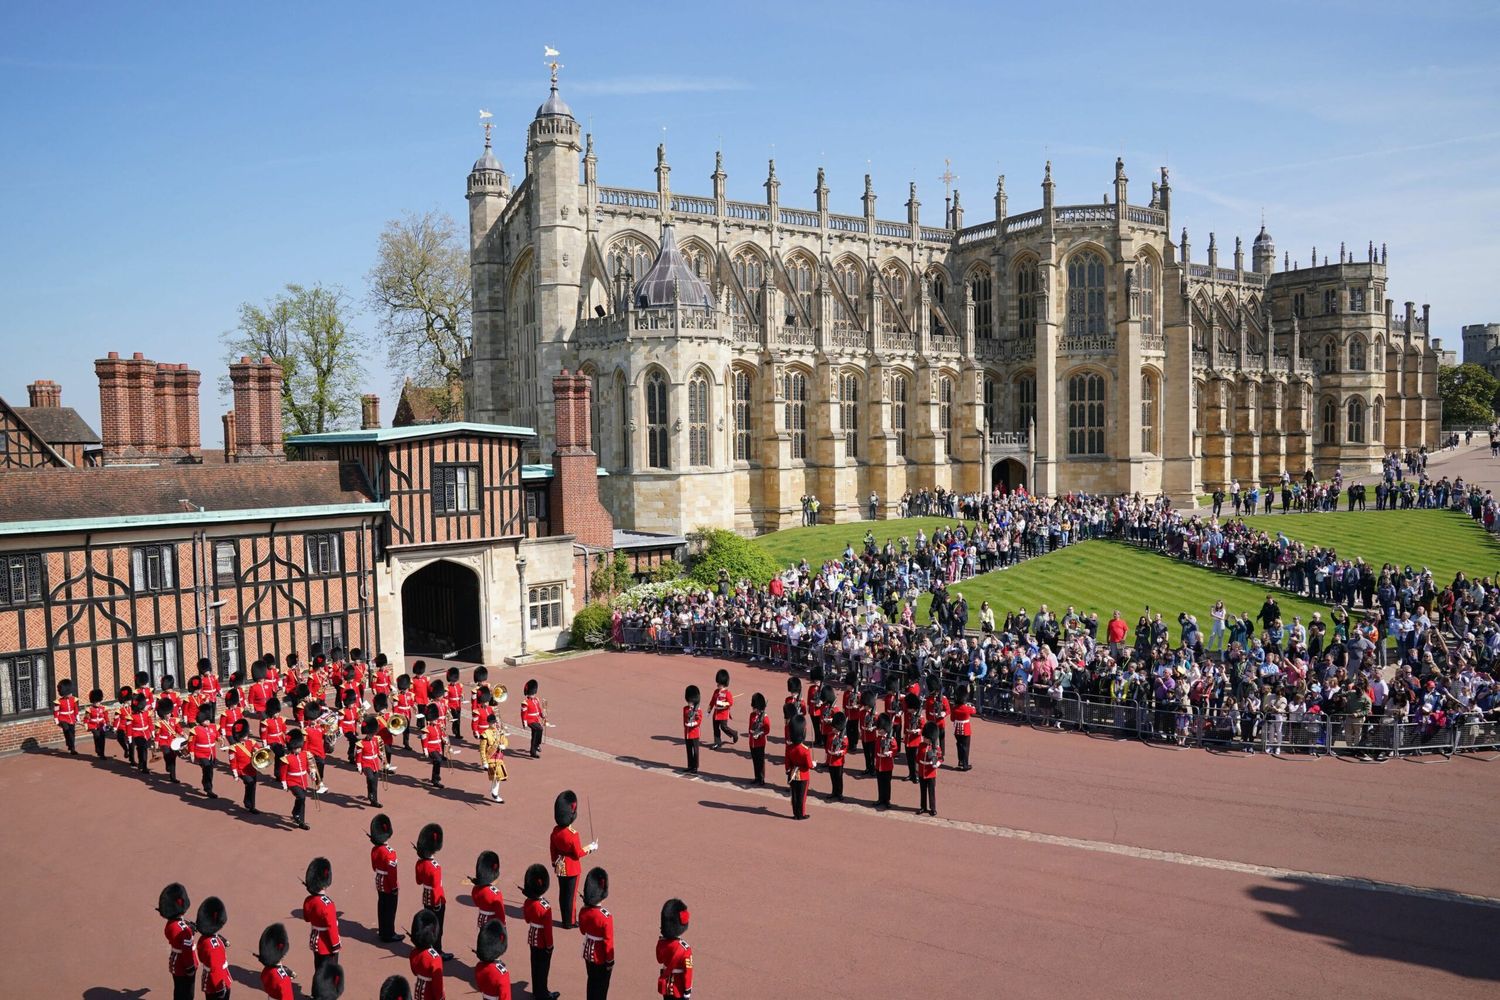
[
  {"x": 945, "y": 415},
  {"x": 657, "y": 443},
  {"x": 982, "y": 293},
  {"x": 751, "y": 272},
  {"x": 1086, "y": 414},
  {"x": 1026, "y": 300},
  {"x": 847, "y": 274},
  {"x": 1356, "y": 422},
  {"x": 849, "y": 412},
  {"x": 1025, "y": 402},
  {"x": 1149, "y": 406},
  {"x": 1143, "y": 296},
  {"x": 634, "y": 253},
  {"x": 698, "y": 443},
  {"x": 895, "y": 306},
  {"x": 742, "y": 415},
  {"x": 794, "y": 389},
  {"x": 900, "y": 389},
  {"x": 1086, "y": 294},
  {"x": 800, "y": 270}
]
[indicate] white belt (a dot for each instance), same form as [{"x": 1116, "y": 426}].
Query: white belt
[
  {"x": 592, "y": 937},
  {"x": 536, "y": 926},
  {"x": 320, "y": 930}
]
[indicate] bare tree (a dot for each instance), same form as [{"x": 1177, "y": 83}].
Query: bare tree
[
  {"x": 419, "y": 291},
  {"x": 305, "y": 331}
]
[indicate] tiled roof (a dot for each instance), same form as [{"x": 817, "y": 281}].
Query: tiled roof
[
  {"x": 58, "y": 424},
  {"x": 77, "y": 494},
  {"x": 428, "y": 404}
]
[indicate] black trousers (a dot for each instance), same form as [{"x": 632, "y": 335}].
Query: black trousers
[
  {"x": 437, "y": 769},
  {"x": 541, "y": 968},
  {"x": 70, "y": 737},
  {"x": 299, "y": 804},
  {"x": 536, "y": 738},
  {"x": 321, "y": 960},
  {"x": 721, "y": 727},
  {"x": 943, "y": 740},
  {"x": 385, "y": 914},
  {"x": 836, "y": 776},
  {"x": 372, "y": 787},
  {"x": 442, "y": 914},
  {"x": 692, "y": 756},
  {"x": 250, "y": 781},
  {"x": 123, "y": 738},
  {"x": 353, "y": 745},
  {"x": 598, "y": 980},
  {"x": 929, "y": 794},
  {"x": 222, "y": 994},
  {"x": 911, "y": 763},
  {"x": 799, "y": 799},
  {"x": 963, "y": 750},
  {"x": 869, "y": 758},
  {"x": 457, "y": 738},
  {"x": 883, "y": 787},
  {"x": 182, "y": 986},
  {"x": 206, "y": 766},
  {"x": 169, "y": 760},
  {"x": 567, "y": 902},
  {"x": 140, "y": 747},
  {"x": 758, "y": 762},
  {"x": 99, "y": 743}
]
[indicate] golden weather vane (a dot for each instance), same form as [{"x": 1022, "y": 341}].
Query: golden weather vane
[
  {"x": 549, "y": 56},
  {"x": 484, "y": 121}
]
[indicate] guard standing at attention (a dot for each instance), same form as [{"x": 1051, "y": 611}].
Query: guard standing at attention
[
  {"x": 491, "y": 977},
  {"x": 675, "y": 979},
  {"x": 692, "y": 718},
  {"x": 387, "y": 877},
  {"x": 487, "y": 899},
  {"x": 426, "y": 956},
  {"x": 567, "y": 850},
  {"x": 430, "y": 878},
  {"x": 963, "y": 722},
  {"x": 538, "y": 916},
  {"x": 321, "y": 915},
  {"x": 722, "y": 706},
  {"x": 758, "y": 729},
  {"x": 212, "y": 949},
  {"x": 182, "y": 963},
  {"x": 799, "y": 765},
  {"x": 598, "y": 928},
  {"x": 532, "y": 717},
  {"x": 275, "y": 979},
  {"x": 65, "y": 713}
]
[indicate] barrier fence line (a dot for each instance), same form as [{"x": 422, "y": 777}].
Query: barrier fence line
[{"x": 1373, "y": 736}]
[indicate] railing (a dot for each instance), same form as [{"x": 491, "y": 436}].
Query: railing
[
  {"x": 1153, "y": 342},
  {"x": 1148, "y": 216},
  {"x": 1227, "y": 274},
  {"x": 1019, "y": 349},
  {"x": 1254, "y": 278},
  {"x": 676, "y": 319},
  {"x": 1026, "y": 222},
  {"x": 946, "y": 345},
  {"x": 747, "y": 210},
  {"x": 794, "y": 336},
  {"x": 1076, "y": 214},
  {"x": 746, "y": 332},
  {"x": 1303, "y": 366},
  {"x": 601, "y": 328},
  {"x": 937, "y": 235},
  {"x": 976, "y": 234},
  {"x": 627, "y": 198},
  {"x": 1200, "y": 359},
  {"x": 1199, "y": 271},
  {"x": 1010, "y": 439},
  {"x": 897, "y": 342},
  {"x": 1281, "y": 363},
  {"x": 1255, "y": 361},
  {"x": 797, "y": 217},
  {"x": 848, "y": 339},
  {"x": 689, "y": 205},
  {"x": 847, "y": 223},
  {"x": 1094, "y": 343},
  {"x": 898, "y": 230}
]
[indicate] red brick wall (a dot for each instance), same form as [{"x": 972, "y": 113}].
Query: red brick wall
[
  {"x": 574, "y": 500},
  {"x": 31, "y": 733},
  {"x": 257, "y": 410},
  {"x": 127, "y": 406}
]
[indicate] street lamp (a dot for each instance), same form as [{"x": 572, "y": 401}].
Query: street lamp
[{"x": 525, "y": 607}]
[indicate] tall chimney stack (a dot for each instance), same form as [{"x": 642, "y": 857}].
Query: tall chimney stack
[
  {"x": 127, "y": 407},
  {"x": 369, "y": 408},
  {"x": 573, "y": 498},
  {"x": 257, "y": 410},
  {"x": 176, "y": 401},
  {"x": 45, "y": 393}
]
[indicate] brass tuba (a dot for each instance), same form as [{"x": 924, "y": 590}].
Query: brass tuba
[
  {"x": 396, "y": 725},
  {"x": 262, "y": 758},
  {"x": 500, "y": 693}
]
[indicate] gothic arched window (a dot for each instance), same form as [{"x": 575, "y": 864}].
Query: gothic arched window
[
  {"x": 751, "y": 272},
  {"x": 698, "y": 441},
  {"x": 794, "y": 388},
  {"x": 801, "y": 271},
  {"x": 982, "y": 293},
  {"x": 657, "y": 441},
  {"x": 945, "y": 415},
  {"x": 1356, "y": 422},
  {"x": 1144, "y": 295},
  {"x": 1330, "y": 422},
  {"x": 1149, "y": 407},
  {"x": 895, "y": 305},
  {"x": 1025, "y": 402},
  {"x": 900, "y": 390},
  {"x": 1086, "y": 294},
  {"x": 1026, "y": 299},
  {"x": 849, "y": 412},
  {"x": 1086, "y": 414},
  {"x": 847, "y": 273},
  {"x": 939, "y": 293},
  {"x": 1358, "y": 354},
  {"x": 634, "y": 253},
  {"x": 743, "y": 407}
]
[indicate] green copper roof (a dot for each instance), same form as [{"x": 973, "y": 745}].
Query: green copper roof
[
  {"x": 384, "y": 435},
  {"x": 189, "y": 517}
]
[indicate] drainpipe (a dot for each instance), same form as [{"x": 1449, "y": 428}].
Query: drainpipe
[{"x": 525, "y": 609}]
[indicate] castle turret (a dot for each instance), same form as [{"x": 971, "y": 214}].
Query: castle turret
[
  {"x": 1263, "y": 252},
  {"x": 488, "y": 194}
]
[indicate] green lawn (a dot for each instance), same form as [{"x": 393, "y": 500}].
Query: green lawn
[
  {"x": 826, "y": 541},
  {"x": 1105, "y": 576},
  {"x": 1444, "y": 541}
]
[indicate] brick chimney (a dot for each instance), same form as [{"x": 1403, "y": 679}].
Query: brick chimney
[
  {"x": 369, "y": 408},
  {"x": 257, "y": 410},
  {"x": 45, "y": 393},
  {"x": 177, "y": 433},
  {"x": 127, "y": 407},
  {"x": 229, "y": 436},
  {"x": 573, "y": 499}
]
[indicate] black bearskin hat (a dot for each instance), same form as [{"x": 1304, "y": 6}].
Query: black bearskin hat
[
  {"x": 336, "y": 653},
  {"x": 65, "y": 688},
  {"x": 381, "y": 829},
  {"x": 794, "y": 685},
  {"x": 164, "y": 706},
  {"x": 138, "y": 701},
  {"x": 273, "y": 705},
  {"x": 692, "y": 696},
  {"x": 424, "y": 929},
  {"x": 912, "y": 701},
  {"x": 840, "y": 720},
  {"x": 565, "y": 808},
  {"x": 530, "y": 688},
  {"x": 403, "y": 683},
  {"x": 382, "y": 701},
  {"x": 381, "y": 660},
  {"x": 370, "y": 726},
  {"x": 142, "y": 679},
  {"x": 492, "y": 942},
  {"x": 349, "y": 698},
  {"x": 481, "y": 674},
  {"x": 431, "y": 711},
  {"x": 798, "y": 727},
  {"x": 826, "y": 694},
  {"x": 595, "y": 886},
  {"x": 328, "y": 982},
  {"x": 789, "y": 710},
  {"x": 240, "y": 730},
  {"x": 537, "y": 881},
  {"x": 884, "y": 722},
  {"x": 96, "y": 696},
  {"x": 236, "y": 677},
  {"x": 316, "y": 651},
  {"x": 356, "y": 653},
  {"x": 930, "y": 732},
  {"x": 295, "y": 740},
  {"x": 274, "y": 945},
  {"x": 815, "y": 673},
  {"x": 484, "y": 697},
  {"x": 173, "y": 901},
  {"x": 419, "y": 668},
  {"x": 204, "y": 665},
  {"x": 429, "y": 840},
  {"x": 169, "y": 683},
  {"x": 486, "y": 868},
  {"x": 961, "y": 693},
  {"x": 319, "y": 875},
  {"x": 453, "y": 675},
  {"x": 674, "y": 919},
  {"x": 395, "y": 988},
  {"x": 212, "y": 916},
  {"x": 257, "y": 671},
  {"x": 124, "y": 694},
  {"x": 722, "y": 678},
  {"x": 300, "y": 693},
  {"x": 892, "y": 684},
  {"x": 231, "y": 698},
  {"x": 758, "y": 702},
  {"x": 195, "y": 684},
  {"x": 205, "y": 713},
  {"x": 850, "y": 678},
  {"x": 435, "y": 690}
]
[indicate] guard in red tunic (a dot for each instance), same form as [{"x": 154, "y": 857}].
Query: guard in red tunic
[
  {"x": 814, "y": 703},
  {"x": 567, "y": 850},
  {"x": 938, "y": 709},
  {"x": 828, "y": 696},
  {"x": 852, "y": 706},
  {"x": 395, "y": 988},
  {"x": 233, "y": 710},
  {"x": 758, "y": 729},
  {"x": 328, "y": 982},
  {"x": 203, "y": 745},
  {"x": 242, "y": 761},
  {"x": 140, "y": 727},
  {"x": 453, "y": 701},
  {"x": 692, "y": 718},
  {"x": 65, "y": 714},
  {"x": 295, "y": 777},
  {"x": 675, "y": 979},
  {"x": 426, "y": 957},
  {"x": 930, "y": 759},
  {"x": 430, "y": 877},
  {"x": 481, "y": 708},
  {"x": 370, "y": 759},
  {"x": 380, "y": 683},
  {"x": 208, "y": 681},
  {"x": 275, "y": 978},
  {"x": 885, "y": 760},
  {"x": 799, "y": 764},
  {"x": 794, "y": 703},
  {"x": 963, "y": 723},
  {"x": 96, "y": 720},
  {"x": 598, "y": 928},
  {"x": 835, "y": 751},
  {"x": 273, "y": 729},
  {"x": 491, "y": 977},
  {"x": 349, "y": 721},
  {"x": 387, "y": 877},
  {"x": 487, "y": 898},
  {"x": 421, "y": 686},
  {"x": 531, "y": 715},
  {"x": 212, "y": 949},
  {"x": 256, "y": 693},
  {"x": 406, "y": 707},
  {"x": 181, "y": 962},
  {"x": 911, "y": 729},
  {"x": 433, "y": 742},
  {"x": 722, "y": 707},
  {"x": 868, "y": 729},
  {"x": 124, "y": 710},
  {"x": 321, "y": 915},
  {"x": 165, "y": 730},
  {"x": 538, "y": 916}
]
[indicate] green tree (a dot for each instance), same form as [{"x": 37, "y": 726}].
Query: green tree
[
  {"x": 1469, "y": 394},
  {"x": 742, "y": 558},
  {"x": 306, "y": 331},
  {"x": 420, "y": 294}
]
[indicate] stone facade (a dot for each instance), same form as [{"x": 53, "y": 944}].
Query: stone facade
[
  {"x": 1070, "y": 347},
  {"x": 1482, "y": 346}
]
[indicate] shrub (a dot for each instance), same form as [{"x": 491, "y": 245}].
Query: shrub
[
  {"x": 743, "y": 559},
  {"x": 591, "y": 626},
  {"x": 671, "y": 569},
  {"x": 629, "y": 599}
]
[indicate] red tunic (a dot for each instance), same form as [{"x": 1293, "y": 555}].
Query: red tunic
[
  {"x": 885, "y": 754},
  {"x": 349, "y": 720},
  {"x": 492, "y": 980},
  {"x": 538, "y": 916},
  {"x": 798, "y": 762},
  {"x": 419, "y": 689},
  {"x": 273, "y": 731},
  {"x": 256, "y": 695},
  {"x": 867, "y": 726},
  {"x": 432, "y": 738},
  {"x": 929, "y": 759},
  {"x": 96, "y": 717},
  {"x": 453, "y": 700},
  {"x": 323, "y": 924},
  {"x": 531, "y": 711},
  {"x": 491, "y": 904},
  {"x": 405, "y": 704},
  {"x": 65, "y": 712},
  {"x": 230, "y": 717},
  {"x": 480, "y": 720},
  {"x": 430, "y": 878},
  {"x": 913, "y": 729},
  {"x": 140, "y": 726},
  {"x": 205, "y": 735},
  {"x": 759, "y": 729},
  {"x": 317, "y": 745},
  {"x": 294, "y": 769},
  {"x": 367, "y": 756},
  {"x": 387, "y": 870},
  {"x": 240, "y": 761},
  {"x": 835, "y": 750},
  {"x": 721, "y": 703},
  {"x": 382, "y": 681},
  {"x": 691, "y": 719},
  {"x": 215, "y": 963},
  {"x": 675, "y": 979},
  {"x": 427, "y": 972},
  {"x": 963, "y": 712},
  {"x": 276, "y": 982},
  {"x": 598, "y": 929},
  {"x": 210, "y": 687},
  {"x": 182, "y": 961},
  {"x": 938, "y": 710},
  {"x": 167, "y": 730},
  {"x": 567, "y": 851}
]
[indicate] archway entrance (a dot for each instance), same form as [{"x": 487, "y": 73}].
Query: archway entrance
[
  {"x": 440, "y": 611},
  {"x": 1009, "y": 474}
]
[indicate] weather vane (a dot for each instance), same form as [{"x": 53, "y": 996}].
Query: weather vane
[
  {"x": 947, "y": 177},
  {"x": 549, "y": 55},
  {"x": 484, "y": 121}
]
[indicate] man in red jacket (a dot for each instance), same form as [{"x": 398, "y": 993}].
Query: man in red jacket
[
  {"x": 96, "y": 719},
  {"x": 834, "y": 753},
  {"x": 799, "y": 763},
  {"x": 963, "y": 722},
  {"x": 275, "y": 978},
  {"x": 758, "y": 729},
  {"x": 598, "y": 928},
  {"x": 930, "y": 759},
  {"x": 430, "y": 877},
  {"x": 453, "y": 701},
  {"x": 489, "y": 900},
  {"x": 532, "y": 716},
  {"x": 675, "y": 978},
  {"x": 370, "y": 759},
  {"x": 491, "y": 977},
  {"x": 538, "y": 916},
  {"x": 868, "y": 729},
  {"x": 295, "y": 777},
  {"x": 426, "y": 957},
  {"x": 567, "y": 850},
  {"x": 722, "y": 707},
  {"x": 182, "y": 963},
  {"x": 692, "y": 718},
  {"x": 65, "y": 714},
  {"x": 212, "y": 949},
  {"x": 321, "y": 915},
  {"x": 387, "y": 877},
  {"x": 203, "y": 746},
  {"x": 911, "y": 728},
  {"x": 885, "y": 760}
]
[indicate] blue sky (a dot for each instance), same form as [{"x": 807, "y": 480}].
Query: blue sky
[{"x": 165, "y": 162}]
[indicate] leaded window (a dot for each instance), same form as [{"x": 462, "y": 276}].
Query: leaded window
[
  {"x": 743, "y": 408},
  {"x": 698, "y": 450},
  {"x": 849, "y": 412},
  {"x": 657, "y": 456},
  {"x": 794, "y": 389},
  {"x": 1086, "y": 295},
  {"x": 899, "y": 392},
  {"x": 1086, "y": 414},
  {"x": 982, "y": 294}
]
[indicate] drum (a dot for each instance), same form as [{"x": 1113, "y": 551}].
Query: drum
[{"x": 178, "y": 744}]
